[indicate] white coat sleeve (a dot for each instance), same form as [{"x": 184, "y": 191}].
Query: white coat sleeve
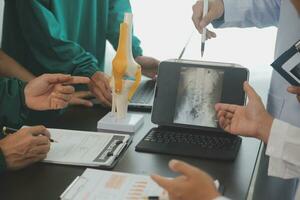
[
  {"x": 284, "y": 150},
  {"x": 249, "y": 13}
]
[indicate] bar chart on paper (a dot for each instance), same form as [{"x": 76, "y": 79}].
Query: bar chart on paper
[{"x": 106, "y": 185}]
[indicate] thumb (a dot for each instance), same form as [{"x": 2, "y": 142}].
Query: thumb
[
  {"x": 182, "y": 167},
  {"x": 250, "y": 91}
]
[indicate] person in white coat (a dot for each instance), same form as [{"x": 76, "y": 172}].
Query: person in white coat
[
  {"x": 281, "y": 104},
  {"x": 282, "y": 139}
]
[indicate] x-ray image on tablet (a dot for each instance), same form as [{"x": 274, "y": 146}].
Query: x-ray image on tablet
[{"x": 198, "y": 91}]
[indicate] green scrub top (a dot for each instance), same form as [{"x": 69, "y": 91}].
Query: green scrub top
[
  {"x": 63, "y": 36},
  {"x": 12, "y": 108}
]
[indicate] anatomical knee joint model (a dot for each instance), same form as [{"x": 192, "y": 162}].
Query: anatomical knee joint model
[{"x": 126, "y": 73}]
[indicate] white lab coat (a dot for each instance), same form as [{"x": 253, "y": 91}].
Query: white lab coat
[{"x": 281, "y": 104}]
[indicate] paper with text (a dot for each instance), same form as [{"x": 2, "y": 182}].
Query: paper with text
[
  {"x": 82, "y": 147},
  {"x": 106, "y": 185}
]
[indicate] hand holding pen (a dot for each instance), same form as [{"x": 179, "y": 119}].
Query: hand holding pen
[
  {"x": 45, "y": 132},
  {"x": 204, "y": 12},
  {"x": 24, "y": 147}
]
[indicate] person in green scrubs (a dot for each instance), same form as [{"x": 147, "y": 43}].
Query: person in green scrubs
[
  {"x": 68, "y": 36},
  {"x": 17, "y": 100}
]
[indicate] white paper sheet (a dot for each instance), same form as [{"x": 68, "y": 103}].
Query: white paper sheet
[
  {"x": 106, "y": 185},
  {"x": 79, "y": 147}
]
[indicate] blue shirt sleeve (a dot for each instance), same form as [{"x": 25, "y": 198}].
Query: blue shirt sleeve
[{"x": 249, "y": 13}]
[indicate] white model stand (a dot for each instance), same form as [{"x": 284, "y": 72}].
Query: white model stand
[{"x": 130, "y": 124}]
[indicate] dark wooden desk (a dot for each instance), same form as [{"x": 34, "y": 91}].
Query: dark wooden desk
[{"x": 47, "y": 181}]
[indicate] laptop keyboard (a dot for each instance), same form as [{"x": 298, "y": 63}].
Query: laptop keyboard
[
  {"x": 203, "y": 141},
  {"x": 144, "y": 93}
]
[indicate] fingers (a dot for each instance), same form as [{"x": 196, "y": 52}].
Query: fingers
[
  {"x": 207, "y": 19},
  {"x": 197, "y": 14},
  {"x": 252, "y": 95},
  {"x": 56, "y": 104},
  {"x": 226, "y": 107},
  {"x": 79, "y": 101},
  {"x": 64, "y": 89},
  {"x": 294, "y": 90},
  {"x": 39, "y": 148},
  {"x": 83, "y": 94},
  {"x": 183, "y": 168},
  {"x": 78, "y": 80},
  {"x": 65, "y": 79},
  {"x": 101, "y": 97},
  {"x": 56, "y": 78},
  {"x": 36, "y": 130},
  {"x": 78, "y": 98},
  {"x": 64, "y": 97},
  {"x": 201, "y": 22},
  {"x": 162, "y": 182},
  {"x": 101, "y": 88}
]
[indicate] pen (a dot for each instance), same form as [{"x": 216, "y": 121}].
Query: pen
[
  {"x": 8, "y": 130},
  {"x": 183, "y": 50},
  {"x": 155, "y": 198},
  {"x": 203, "y": 38}
]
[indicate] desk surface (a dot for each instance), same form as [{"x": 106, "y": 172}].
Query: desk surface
[{"x": 48, "y": 181}]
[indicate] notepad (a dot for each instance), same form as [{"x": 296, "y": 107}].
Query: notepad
[
  {"x": 107, "y": 185},
  {"x": 85, "y": 148}
]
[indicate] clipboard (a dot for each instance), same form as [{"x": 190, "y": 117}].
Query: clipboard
[
  {"x": 82, "y": 148},
  {"x": 288, "y": 64}
]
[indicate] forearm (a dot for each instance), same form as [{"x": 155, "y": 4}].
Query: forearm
[
  {"x": 249, "y": 13},
  {"x": 12, "y": 102},
  {"x": 10, "y": 68}
]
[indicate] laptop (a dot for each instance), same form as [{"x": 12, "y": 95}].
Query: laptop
[
  {"x": 183, "y": 109},
  {"x": 144, "y": 96}
]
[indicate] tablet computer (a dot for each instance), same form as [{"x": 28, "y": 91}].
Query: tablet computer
[
  {"x": 187, "y": 92},
  {"x": 184, "y": 109}
]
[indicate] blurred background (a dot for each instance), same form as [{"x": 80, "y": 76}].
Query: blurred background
[{"x": 164, "y": 26}]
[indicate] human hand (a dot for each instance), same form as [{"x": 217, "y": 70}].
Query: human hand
[
  {"x": 193, "y": 184},
  {"x": 252, "y": 120},
  {"x": 51, "y": 91},
  {"x": 27, "y": 146},
  {"x": 100, "y": 87},
  {"x": 215, "y": 11},
  {"x": 295, "y": 90},
  {"x": 78, "y": 98},
  {"x": 149, "y": 66}
]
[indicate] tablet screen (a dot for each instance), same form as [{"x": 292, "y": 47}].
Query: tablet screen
[
  {"x": 186, "y": 93},
  {"x": 198, "y": 91}
]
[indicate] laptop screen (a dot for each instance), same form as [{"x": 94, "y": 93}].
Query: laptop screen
[{"x": 198, "y": 91}]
